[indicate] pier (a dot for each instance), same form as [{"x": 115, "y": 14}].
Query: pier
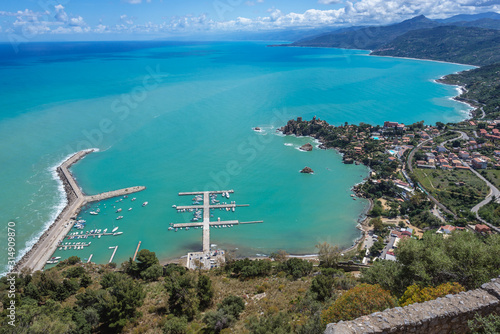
[
  {"x": 135, "y": 254},
  {"x": 113, "y": 255},
  {"x": 41, "y": 252},
  {"x": 206, "y": 223}
]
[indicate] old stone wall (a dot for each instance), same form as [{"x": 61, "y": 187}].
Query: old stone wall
[{"x": 443, "y": 315}]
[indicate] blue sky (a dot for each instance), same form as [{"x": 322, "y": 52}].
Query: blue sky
[{"x": 148, "y": 19}]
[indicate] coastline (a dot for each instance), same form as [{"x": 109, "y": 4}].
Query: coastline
[
  {"x": 36, "y": 258},
  {"x": 55, "y": 229}
]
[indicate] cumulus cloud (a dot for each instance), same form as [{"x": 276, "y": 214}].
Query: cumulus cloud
[
  {"x": 60, "y": 15},
  {"x": 329, "y": 2}
]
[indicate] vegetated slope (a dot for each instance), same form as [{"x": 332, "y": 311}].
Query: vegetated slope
[
  {"x": 482, "y": 85},
  {"x": 467, "y": 45},
  {"x": 369, "y": 37}
]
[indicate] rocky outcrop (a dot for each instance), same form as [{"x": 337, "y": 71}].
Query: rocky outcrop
[
  {"x": 307, "y": 170},
  {"x": 306, "y": 147}
]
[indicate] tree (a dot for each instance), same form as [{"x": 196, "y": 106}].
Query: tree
[
  {"x": 126, "y": 295},
  {"x": 205, "y": 291},
  {"x": 152, "y": 273},
  {"x": 360, "y": 300},
  {"x": 296, "y": 267},
  {"x": 322, "y": 287},
  {"x": 279, "y": 256},
  {"x": 146, "y": 259},
  {"x": 232, "y": 305},
  {"x": 183, "y": 300},
  {"x": 73, "y": 260},
  {"x": 329, "y": 256},
  {"x": 217, "y": 321}
]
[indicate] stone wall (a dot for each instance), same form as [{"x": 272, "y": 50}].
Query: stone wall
[{"x": 443, "y": 315}]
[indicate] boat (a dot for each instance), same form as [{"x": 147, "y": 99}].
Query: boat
[
  {"x": 105, "y": 230},
  {"x": 234, "y": 209},
  {"x": 119, "y": 217},
  {"x": 227, "y": 194},
  {"x": 223, "y": 194},
  {"x": 99, "y": 236},
  {"x": 55, "y": 258},
  {"x": 51, "y": 262},
  {"x": 194, "y": 219},
  {"x": 119, "y": 210},
  {"x": 133, "y": 199},
  {"x": 187, "y": 228},
  {"x": 170, "y": 228},
  {"x": 125, "y": 196},
  {"x": 145, "y": 203},
  {"x": 93, "y": 213},
  {"x": 114, "y": 230},
  {"x": 129, "y": 209},
  {"x": 176, "y": 229},
  {"x": 117, "y": 233},
  {"x": 174, "y": 206}
]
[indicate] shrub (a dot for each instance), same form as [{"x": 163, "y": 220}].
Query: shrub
[
  {"x": 175, "y": 325},
  {"x": 416, "y": 294},
  {"x": 360, "y": 300},
  {"x": 152, "y": 273},
  {"x": 296, "y": 267}
]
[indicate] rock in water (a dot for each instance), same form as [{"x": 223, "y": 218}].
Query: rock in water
[
  {"x": 306, "y": 147},
  {"x": 307, "y": 170}
]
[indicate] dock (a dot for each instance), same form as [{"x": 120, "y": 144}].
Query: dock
[
  {"x": 135, "y": 254},
  {"x": 113, "y": 255},
  {"x": 206, "y": 223},
  {"x": 40, "y": 253},
  {"x": 90, "y": 258}
]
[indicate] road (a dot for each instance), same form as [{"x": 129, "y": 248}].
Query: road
[
  {"x": 463, "y": 135},
  {"x": 493, "y": 192},
  {"x": 388, "y": 247}
]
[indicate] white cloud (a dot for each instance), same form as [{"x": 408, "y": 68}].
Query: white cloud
[
  {"x": 133, "y": 2},
  {"x": 329, "y": 2},
  {"x": 60, "y": 15}
]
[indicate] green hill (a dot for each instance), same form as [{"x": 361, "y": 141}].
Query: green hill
[
  {"x": 466, "y": 45},
  {"x": 482, "y": 85},
  {"x": 368, "y": 38}
]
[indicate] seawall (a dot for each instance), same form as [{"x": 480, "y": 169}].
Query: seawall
[{"x": 443, "y": 315}]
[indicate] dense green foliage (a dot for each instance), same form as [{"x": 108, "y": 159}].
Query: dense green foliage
[
  {"x": 491, "y": 213},
  {"x": 465, "y": 258},
  {"x": 247, "y": 268},
  {"x": 296, "y": 267},
  {"x": 466, "y": 45},
  {"x": 482, "y": 87}
]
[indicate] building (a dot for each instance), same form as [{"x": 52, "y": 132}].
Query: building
[
  {"x": 464, "y": 155},
  {"x": 481, "y": 228},
  {"x": 391, "y": 124},
  {"x": 479, "y": 163}
]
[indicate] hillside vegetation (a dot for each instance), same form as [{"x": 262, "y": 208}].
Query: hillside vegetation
[
  {"x": 482, "y": 87},
  {"x": 286, "y": 295},
  {"x": 466, "y": 45}
]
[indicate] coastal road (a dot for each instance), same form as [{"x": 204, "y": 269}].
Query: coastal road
[
  {"x": 493, "y": 192},
  {"x": 463, "y": 135}
]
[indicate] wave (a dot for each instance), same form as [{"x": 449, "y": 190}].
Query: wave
[{"x": 55, "y": 210}]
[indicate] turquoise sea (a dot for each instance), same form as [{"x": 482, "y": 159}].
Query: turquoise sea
[{"x": 178, "y": 117}]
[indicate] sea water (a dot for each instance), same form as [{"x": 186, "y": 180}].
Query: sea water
[{"x": 178, "y": 117}]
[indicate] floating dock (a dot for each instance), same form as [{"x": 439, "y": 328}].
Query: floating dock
[
  {"x": 206, "y": 207},
  {"x": 113, "y": 255}
]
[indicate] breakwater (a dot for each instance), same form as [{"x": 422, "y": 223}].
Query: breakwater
[{"x": 37, "y": 256}]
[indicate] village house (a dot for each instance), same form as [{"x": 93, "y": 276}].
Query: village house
[{"x": 478, "y": 163}]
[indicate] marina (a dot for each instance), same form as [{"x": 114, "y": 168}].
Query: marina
[
  {"x": 202, "y": 211},
  {"x": 41, "y": 252}
]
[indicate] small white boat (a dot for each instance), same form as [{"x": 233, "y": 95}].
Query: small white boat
[
  {"x": 105, "y": 230},
  {"x": 170, "y": 228},
  {"x": 119, "y": 210},
  {"x": 145, "y": 203},
  {"x": 234, "y": 209},
  {"x": 133, "y": 199},
  {"x": 174, "y": 206},
  {"x": 227, "y": 194},
  {"x": 93, "y": 213},
  {"x": 119, "y": 217},
  {"x": 117, "y": 233},
  {"x": 129, "y": 209},
  {"x": 99, "y": 236},
  {"x": 114, "y": 230},
  {"x": 223, "y": 194}
]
